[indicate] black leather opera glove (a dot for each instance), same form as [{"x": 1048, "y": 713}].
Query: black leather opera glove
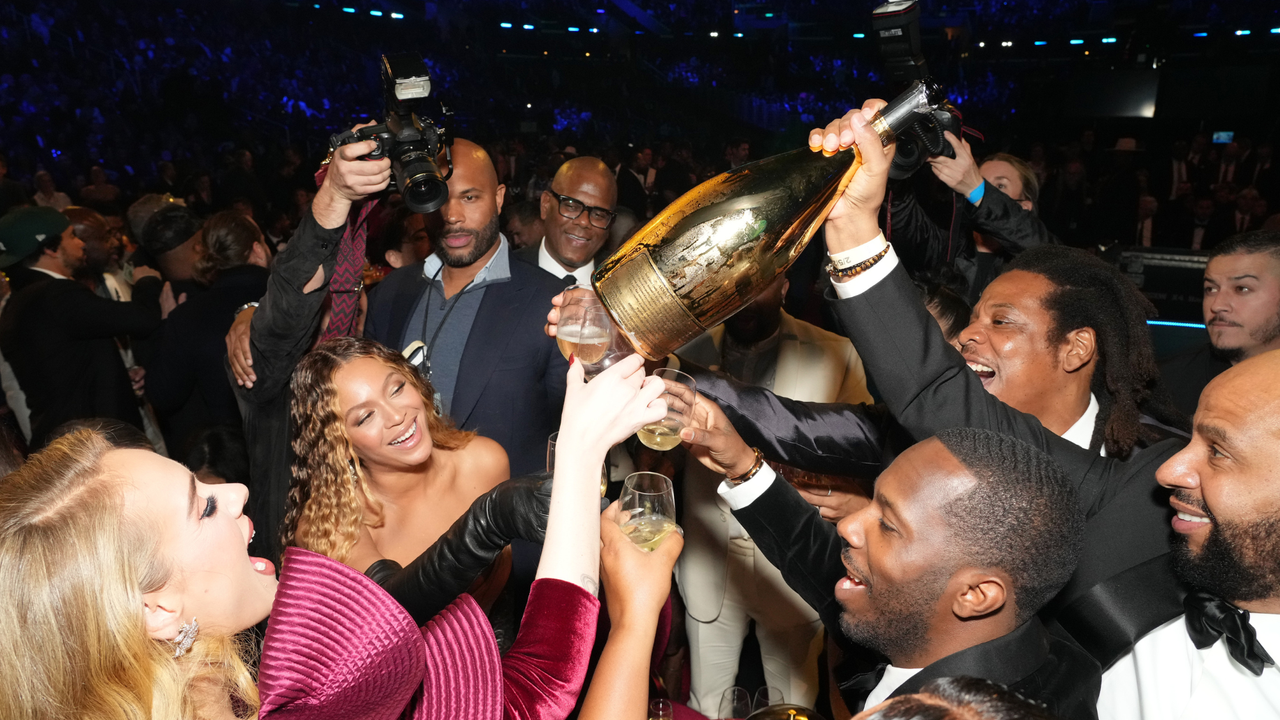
[{"x": 516, "y": 508}]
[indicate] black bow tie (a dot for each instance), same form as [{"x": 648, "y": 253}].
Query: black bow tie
[
  {"x": 1210, "y": 617},
  {"x": 860, "y": 686},
  {"x": 570, "y": 280}
]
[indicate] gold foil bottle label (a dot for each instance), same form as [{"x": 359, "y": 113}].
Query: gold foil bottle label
[{"x": 648, "y": 305}]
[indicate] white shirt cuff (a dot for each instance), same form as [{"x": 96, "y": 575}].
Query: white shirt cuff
[
  {"x": 863, "y": 282},
  {"x": 748, "y": 492}
]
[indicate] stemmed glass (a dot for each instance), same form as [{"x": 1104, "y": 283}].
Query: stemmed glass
[
  {"x": 735, "y": 704},
  {"x": 648, "y": 505},
  {"x": 767, "y": 696},
  {"x": 551, "y": 462},
  {"x": 680, "y": 397}
]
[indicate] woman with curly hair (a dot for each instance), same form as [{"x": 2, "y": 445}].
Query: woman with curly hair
[
  {"x": 125, "y": 583},
  {"x": 373, "y": 455}
]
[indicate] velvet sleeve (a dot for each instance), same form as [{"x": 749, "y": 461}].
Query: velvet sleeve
[{"x": 543, "y": 672}]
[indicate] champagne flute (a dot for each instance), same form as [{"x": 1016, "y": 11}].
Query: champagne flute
[
  {"x": 767, "y": 696},
  {"x": 648, "y": 505},
  {"x": 551, "y": 462},
  {"x": 679, "y": 395}
]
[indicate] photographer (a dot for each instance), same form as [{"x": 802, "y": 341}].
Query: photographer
[{"x": 993, "y": 219}]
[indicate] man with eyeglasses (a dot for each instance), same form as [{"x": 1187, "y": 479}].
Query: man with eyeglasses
[{"x": 577, "y": 211}]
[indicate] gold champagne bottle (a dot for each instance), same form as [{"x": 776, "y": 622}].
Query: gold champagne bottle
[{"x": 715, "y": 249}]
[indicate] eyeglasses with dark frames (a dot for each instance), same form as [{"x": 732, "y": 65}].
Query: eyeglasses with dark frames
[{"x": 572, "y": 208}]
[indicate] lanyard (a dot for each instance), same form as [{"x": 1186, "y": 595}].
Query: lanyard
[{"x": 428, "y": 347}]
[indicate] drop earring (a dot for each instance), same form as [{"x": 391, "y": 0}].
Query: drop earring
[{"x": 186, "y": 636}]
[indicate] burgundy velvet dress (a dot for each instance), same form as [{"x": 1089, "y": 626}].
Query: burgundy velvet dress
[{"x": 338, "y": 646}]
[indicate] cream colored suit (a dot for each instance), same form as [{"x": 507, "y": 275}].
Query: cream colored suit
[{"x": 727, "y": 583}]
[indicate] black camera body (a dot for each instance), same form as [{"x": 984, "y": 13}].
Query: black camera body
[
  {"x": 897, "y": 29},
  {"x": 414, "y": 132}
]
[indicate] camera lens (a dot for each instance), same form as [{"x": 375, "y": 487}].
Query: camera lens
[{"x": 419, "y": 179}]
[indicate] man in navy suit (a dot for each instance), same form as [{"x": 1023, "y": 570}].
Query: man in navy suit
[{"x": 479, "y": 316}]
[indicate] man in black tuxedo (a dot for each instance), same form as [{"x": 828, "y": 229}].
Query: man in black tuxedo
[
  {"x": 59, "y": 336},
  {"x": 1241, "y": 314},
  {"x": 576, "y": 211},
  {"x": 478, "y": 316},
  {"x": 968, "y": 535}
]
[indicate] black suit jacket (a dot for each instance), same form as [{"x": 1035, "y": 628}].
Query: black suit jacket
[
  {"x": 806, "y": 549},
  {"x": 1187, "y": 373},
  {"x": 632, "y": 195},
  {"x": 511, "y": 380},
  {"x": 59, "y": 337},
  {"x": 186, "y": 381},
  {"x": 1123, "y": 586}
]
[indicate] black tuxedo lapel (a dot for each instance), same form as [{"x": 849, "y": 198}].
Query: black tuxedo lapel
[
  {"x": 496, "y": 320},
  {"x": 1005, "y": 660}
]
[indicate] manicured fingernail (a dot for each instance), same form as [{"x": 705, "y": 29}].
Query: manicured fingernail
[{"x": 571, "y": 357}]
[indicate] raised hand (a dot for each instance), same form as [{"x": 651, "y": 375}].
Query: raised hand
[
  {"x": 712, "y": 439},
  {"x": 854, "y": 219}
]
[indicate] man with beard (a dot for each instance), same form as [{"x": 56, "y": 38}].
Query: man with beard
[
  {"x": 58, "y": 336},
  {"x": 968, "y": 535},
  {"x": 1241, "y": 313},
  {"x": 475, "y": 317},
  {"x": 1217, "y": 660}
]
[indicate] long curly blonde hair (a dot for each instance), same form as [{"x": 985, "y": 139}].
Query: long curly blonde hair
[
  {"x": 73, "y": 571},
  {"x": 327, "y": 496}
]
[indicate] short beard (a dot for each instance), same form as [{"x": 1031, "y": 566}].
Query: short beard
[
  {"x": 1263, "y": 337},
  {"x": 1239, "y": 562},
  {"x": 486, "y": 238},
  {"x": 901, "y": 627}
]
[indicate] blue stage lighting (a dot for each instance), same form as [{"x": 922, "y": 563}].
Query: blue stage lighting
[
  {"x": 527, "y": 26},
  {"x": 505, "y": 25},
  {"x": 1200, "y": 34},
  {"x": 595, "y": 30},
  {"x": 397, "y": 16},
  {"x": 737, "y": 34},
  {"x": 1243, "y": 32},
  {"x": 1077, "y": 42},
  {"x": 572, "y": 29},
  {"x": 350, "y": 10},
  {"x": 859, "y": 35},
  {"x": 1041, "y": 42},
  {"x": 1108, "y": 41},
  {"x": 1171, "y": 323},
  {"x": 376, "y": 13}
]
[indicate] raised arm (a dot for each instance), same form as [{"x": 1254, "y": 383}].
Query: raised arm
[
  {"x": 823, "y": 438},
  {"x": 265, "y": 344}
]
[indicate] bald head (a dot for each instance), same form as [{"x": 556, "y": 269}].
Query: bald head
[
  {"x": 1226, "y": 488},
  {"x": 583, "y": 187},
  {"x": 473, "y": 162}
]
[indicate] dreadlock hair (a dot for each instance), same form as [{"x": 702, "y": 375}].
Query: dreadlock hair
[
  {"x": 326, "y": 497},
  {"x": 1090, "y": 293},
  {"x": 961, "y": 698},
  {"x": 1021, "y": 515}
]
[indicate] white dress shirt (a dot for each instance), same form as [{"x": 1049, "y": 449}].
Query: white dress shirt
[
  {"x": 551, "y": 265},
  {"x": 1167, "y": 678}
]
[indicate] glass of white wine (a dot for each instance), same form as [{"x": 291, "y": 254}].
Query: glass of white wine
[
  {"x": 648, "y": 509},
  {"x": 679, "y": 395}
]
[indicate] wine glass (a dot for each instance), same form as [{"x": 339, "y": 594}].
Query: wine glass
[
  {"x": 767, "y": 696},
  {"x": 735, "y": 704},
  {"x": 648, "y": 505},
  {"x": 679, "y": 395},
  {"x": 551, "y": 462},
  {"x": 660, "y": 709},
  {"x": 585, "y": 329}
]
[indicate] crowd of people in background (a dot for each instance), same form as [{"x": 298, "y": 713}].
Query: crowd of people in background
[{"x": 275, "y": 444}]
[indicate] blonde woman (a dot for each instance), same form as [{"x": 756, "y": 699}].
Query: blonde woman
[
  {"x": 123, "y": 581},
  {"x": 373, "y": 456}
]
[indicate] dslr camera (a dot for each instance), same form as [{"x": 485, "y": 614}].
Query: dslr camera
[
  {"x": 412, "y": 134},
  {"x": 897, "y": 29}
]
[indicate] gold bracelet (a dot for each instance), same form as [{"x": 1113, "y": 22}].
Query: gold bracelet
[
  {"x": 858, "y": 269},
  {"x": 755, "y": 468}
]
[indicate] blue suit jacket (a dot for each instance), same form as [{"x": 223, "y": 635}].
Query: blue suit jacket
[{"x": 511, "y": 380}]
